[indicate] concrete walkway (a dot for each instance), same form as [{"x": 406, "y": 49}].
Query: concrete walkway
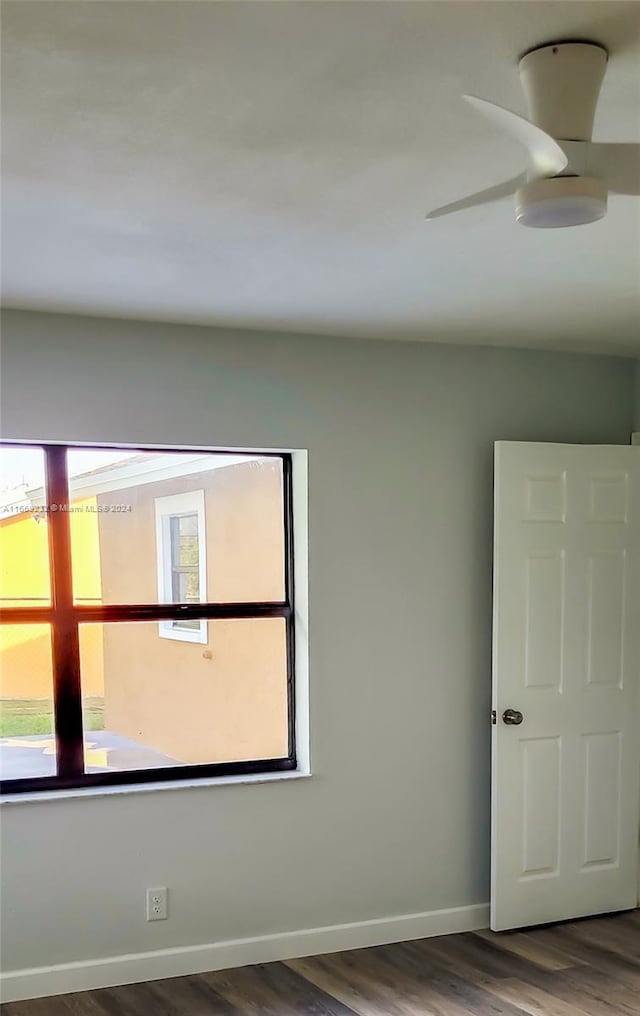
[{"x": 35, "y": 755}]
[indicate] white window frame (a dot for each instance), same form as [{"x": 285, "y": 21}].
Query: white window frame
[{"x": 189, "y": 503}]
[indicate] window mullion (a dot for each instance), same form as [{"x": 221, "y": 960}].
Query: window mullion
[{"x": 67, "y": 694}]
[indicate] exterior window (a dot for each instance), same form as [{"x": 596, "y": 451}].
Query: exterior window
[
  {"x": 182, "y": 570},
  {"x": 146, "y": 615}
]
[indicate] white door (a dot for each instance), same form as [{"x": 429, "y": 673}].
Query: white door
[{"x": 566, "y": 777}]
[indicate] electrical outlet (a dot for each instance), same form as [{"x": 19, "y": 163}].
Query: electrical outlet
[{"x": 157, "y": 904}]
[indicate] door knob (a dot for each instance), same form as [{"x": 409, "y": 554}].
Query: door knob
[{"x": 513, "y": 717}]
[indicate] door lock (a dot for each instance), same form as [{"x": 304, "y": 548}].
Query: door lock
[{"x": 513, "y": 717}]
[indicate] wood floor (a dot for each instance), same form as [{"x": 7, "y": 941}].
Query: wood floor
[{"x": 586, "y": 967}]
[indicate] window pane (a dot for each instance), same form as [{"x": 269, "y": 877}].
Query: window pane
[
  {"x": 27, "y": 742},
  {"x": 150, "y": 701},
  {"x": 185, "y": 549},
  {"x": 137, "y": 537},
  {"x": 24, "y": 547},
  {"x": 191, "y": 625}
]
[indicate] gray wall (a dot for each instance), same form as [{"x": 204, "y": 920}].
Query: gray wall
[
  {"x": 636, "y": 424},
  {"x": 396, "y": 818}
]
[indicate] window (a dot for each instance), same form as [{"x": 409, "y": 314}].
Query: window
[
  {"x": 182, "y": 570},
  {"x": 146, "y": 615}
]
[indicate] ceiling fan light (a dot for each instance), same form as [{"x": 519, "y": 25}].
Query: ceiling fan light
[{"x": 561, "y": 201}]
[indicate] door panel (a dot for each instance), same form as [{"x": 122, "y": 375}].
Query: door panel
[
  {"x": 606, "y": 585},
  {"x": 602, "y": 757},
  {"x": 544, "y": 597},
  {"x": 540, "y": 805},
  {"x": 566, "y": 780}
]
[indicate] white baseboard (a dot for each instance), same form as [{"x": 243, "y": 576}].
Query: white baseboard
[{"x": 36, "y": 982}]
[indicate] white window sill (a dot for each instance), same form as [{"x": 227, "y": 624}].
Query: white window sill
[{"x": 152, "y": 788}]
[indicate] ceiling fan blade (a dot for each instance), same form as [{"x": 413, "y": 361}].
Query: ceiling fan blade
[
  {"x": 483, "y": 197},
  {"x": 546, "y": 154},
  {"x": 618, "y": 164}
]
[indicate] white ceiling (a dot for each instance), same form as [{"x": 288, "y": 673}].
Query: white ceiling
[{"x": 269, "y": 165}]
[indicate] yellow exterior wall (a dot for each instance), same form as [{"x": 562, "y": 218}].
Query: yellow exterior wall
[
  {"x": 25, "y": 650},
  {"x": 24, "y": 561},
  {"x": 25, "y": 661}
]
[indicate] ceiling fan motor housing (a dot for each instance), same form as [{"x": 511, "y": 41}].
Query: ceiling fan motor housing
[
  {"x": 562, "y": 83},
  {"x": 561, "y": 201}
]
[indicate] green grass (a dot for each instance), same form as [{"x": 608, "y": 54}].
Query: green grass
[{"x": 26, "y": 717}]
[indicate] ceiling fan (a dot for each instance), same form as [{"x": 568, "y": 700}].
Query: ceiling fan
[{"x": 569, "y": 175}]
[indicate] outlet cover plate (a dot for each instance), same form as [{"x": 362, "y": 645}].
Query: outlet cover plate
[{"x": 157, "y": 904}]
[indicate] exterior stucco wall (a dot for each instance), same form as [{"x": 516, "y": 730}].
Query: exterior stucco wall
[
  {"x": 25, "y": 650},
  {"x": 224, "y": 700}
]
